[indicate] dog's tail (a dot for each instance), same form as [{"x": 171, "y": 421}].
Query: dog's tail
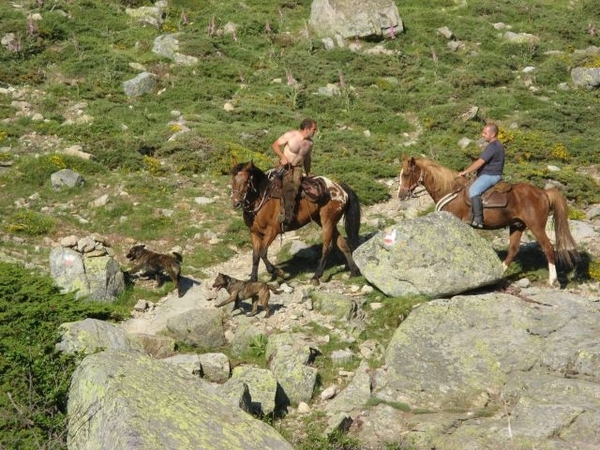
[{"x": 177, "y": 256}]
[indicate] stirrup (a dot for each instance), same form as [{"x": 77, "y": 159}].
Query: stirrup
[{"x": 476, "y": 224}]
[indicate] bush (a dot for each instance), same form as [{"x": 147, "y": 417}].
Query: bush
[{"x": 35, "y": 377}]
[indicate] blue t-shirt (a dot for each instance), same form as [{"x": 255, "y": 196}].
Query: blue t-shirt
[{"x": 493, "y": 155}]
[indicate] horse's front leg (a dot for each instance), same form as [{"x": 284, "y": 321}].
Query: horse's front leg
[
  {"x": 255, "y": 256},
  {"x": 513, "y": 247},
  {"x": 262, "y": 245}
]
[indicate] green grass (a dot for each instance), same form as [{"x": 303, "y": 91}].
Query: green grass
[{"x": 84, "y": 56}]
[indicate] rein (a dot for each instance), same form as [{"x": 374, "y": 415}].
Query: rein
[
  {"x": 441, "y": 204},
  {"x": 247, "y": 205},
  {"x": 413, "y": 186}
]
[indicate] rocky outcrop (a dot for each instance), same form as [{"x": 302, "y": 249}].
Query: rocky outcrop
[
  {"x": 86, "y": 266},
  {"x": 125, "y": 400},
  {"x": 434, "y": 255},
  {"x": 355, "y": 18},
  {"x": 519, "y": 370}
]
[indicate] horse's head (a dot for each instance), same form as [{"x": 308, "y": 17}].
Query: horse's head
[
  {"x": 241, "y": 182},
  {"x": 410, "y": 177},
  {"x": 244, "y": 184}
]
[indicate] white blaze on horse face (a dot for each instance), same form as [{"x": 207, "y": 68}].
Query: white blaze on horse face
[
  {"x": 239, "y": 188},
  {"x": 336, "y": 191}
]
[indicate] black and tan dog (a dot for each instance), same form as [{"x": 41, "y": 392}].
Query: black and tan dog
[
  {"x": 158, "y": 264},
  {"x": 241, "y": 290}
]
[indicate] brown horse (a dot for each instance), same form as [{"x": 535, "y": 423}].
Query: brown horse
[
  {"x": 251, "y": 192},
  {"x": 527, "y": 206}
]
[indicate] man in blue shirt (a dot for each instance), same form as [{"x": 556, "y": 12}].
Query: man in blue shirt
[{"x": 489, "y": 167}]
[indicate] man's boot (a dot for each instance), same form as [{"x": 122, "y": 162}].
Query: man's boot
[{"x": 477, "y": 207}]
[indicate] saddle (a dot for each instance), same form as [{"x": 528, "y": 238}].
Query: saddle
[
  {"x": 494, "y": 197},
  {"x": 312, "y": 189}
]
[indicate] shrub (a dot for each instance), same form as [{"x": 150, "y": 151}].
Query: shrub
[
  {"x": 35, "y": 378},
  {"x": 29, "y": 222}
]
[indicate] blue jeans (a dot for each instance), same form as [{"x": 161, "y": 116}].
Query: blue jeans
[{"x": 483, "y": 183}]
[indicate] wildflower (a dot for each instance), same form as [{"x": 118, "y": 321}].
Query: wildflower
[
  {"x": 184, "y": 18},
  {"x": 268, "y": 27},
  {"x": 392, "y": 32},
  {"x": 291, "y": 81},
  {"x": 31, "y": 26},
  {"x": 211, "y": 26}
]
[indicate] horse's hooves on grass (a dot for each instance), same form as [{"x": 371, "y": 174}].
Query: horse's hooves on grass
[{"x": 315, "y": 281}]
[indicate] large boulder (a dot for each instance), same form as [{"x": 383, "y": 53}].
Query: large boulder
[
  {"x": 435, "y": 255},
  {"x": 498, "y": 370},
  {"x": 528, "y": 367},
  {"x": 92, "y": 335},
  {"x": 586, "y": 77},
  {"x": 289, "y": 356},
  {"x": 200, "y": 327},
  {"x": 129, "y": 401},
  {"x": 355, "y": 18},
  {"x": 97, "y": 277}
]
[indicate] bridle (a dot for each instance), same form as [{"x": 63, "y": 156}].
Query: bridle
[
  {"x": 413, "y": 186},
  {"x": 246, "y": 202}
]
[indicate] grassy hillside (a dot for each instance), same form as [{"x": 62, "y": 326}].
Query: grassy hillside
[
  {"x": 62, "y": 68},
  {"x": 61, "y": 82}
]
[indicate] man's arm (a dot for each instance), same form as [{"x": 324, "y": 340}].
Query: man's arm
[
  {"x": 473, "y": 167},
  {"x": 281, "y": 141},
  {"x": 307, "y": 164}
]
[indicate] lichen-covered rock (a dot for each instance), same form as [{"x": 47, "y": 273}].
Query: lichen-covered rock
[
  {"x": 128, "y": 401},
  {"x": 355, "y": 18},
  {"x": 200, "y": 327},
  {"x": 435, "y": 255},
  {"x": 289, "y": 356},
  {"x": 92, "y": 335},
  {"x": 523, "y": 363}
]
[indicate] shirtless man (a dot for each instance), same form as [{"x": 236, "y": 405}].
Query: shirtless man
[{"x": 296, "y": 153}]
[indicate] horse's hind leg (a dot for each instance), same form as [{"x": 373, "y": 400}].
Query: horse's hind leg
[
  {"x": 342, "y": 244},
  {"x": 329, "y": 232},
  {"x": 540, "y": 235}
]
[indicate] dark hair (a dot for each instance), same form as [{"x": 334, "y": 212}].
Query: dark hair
[
  {"x": 493, "y": 128},
  {"x": 308, "y": 123}
]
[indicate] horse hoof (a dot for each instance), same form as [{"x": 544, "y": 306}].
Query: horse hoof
[{"x": 315, "y": 281}]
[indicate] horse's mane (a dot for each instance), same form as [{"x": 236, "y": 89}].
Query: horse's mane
[{"x": 445, "y": 179}]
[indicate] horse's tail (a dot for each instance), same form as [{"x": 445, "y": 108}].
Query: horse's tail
[
  {"x": 566, "y": 247},
  {"x": 352, "y": 215}
]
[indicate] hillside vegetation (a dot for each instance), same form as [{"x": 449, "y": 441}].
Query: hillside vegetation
[{"x": 61, "y": 85}]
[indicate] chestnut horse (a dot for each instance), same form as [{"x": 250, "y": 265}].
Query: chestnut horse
[
  {"x": 251, "y": 192},
  {"x": 527, "y": 207}
]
